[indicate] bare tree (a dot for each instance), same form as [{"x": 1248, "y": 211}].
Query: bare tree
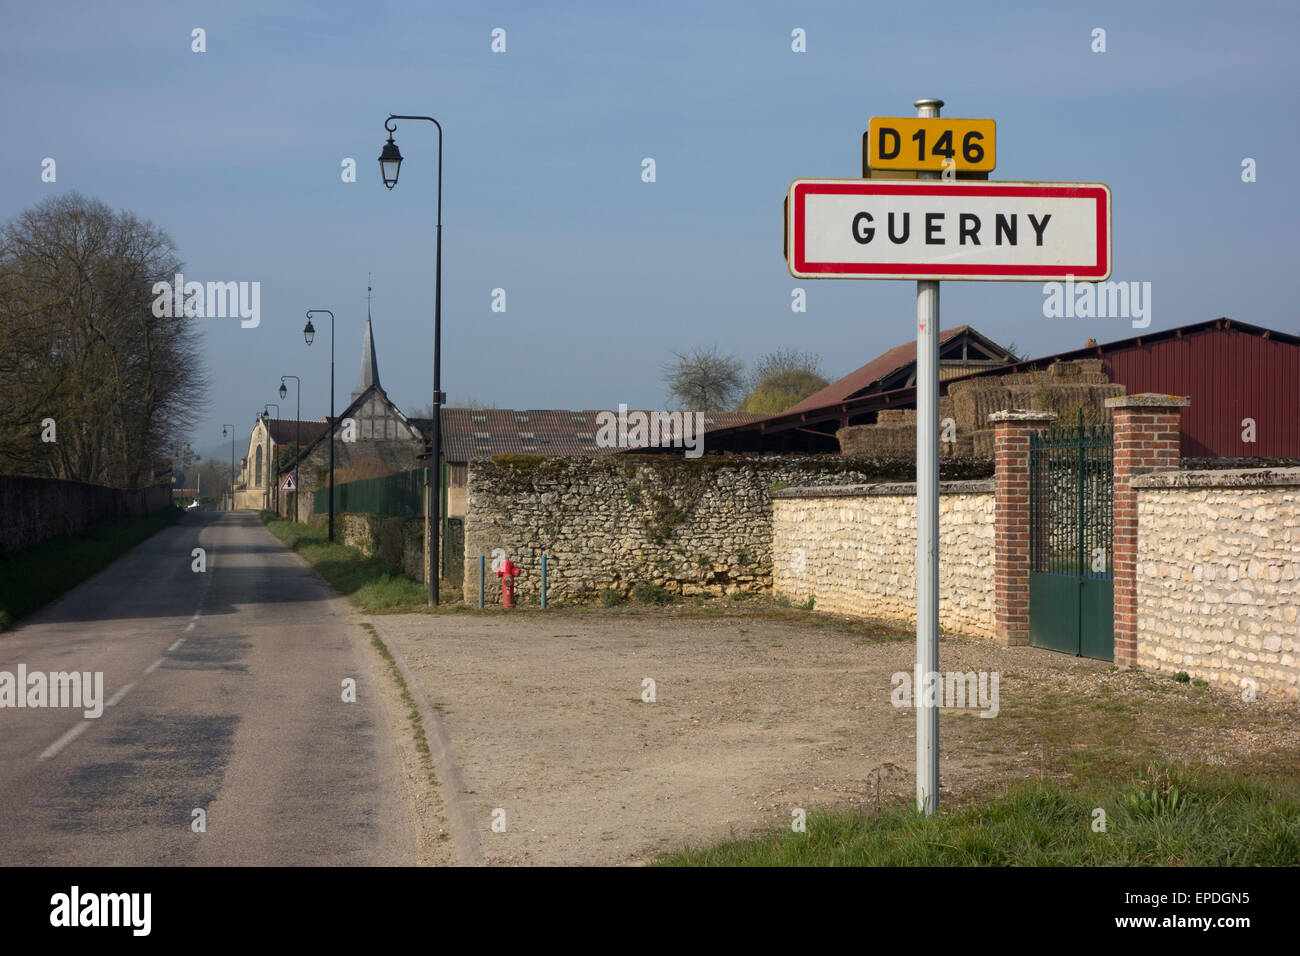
[
  {"x": 782, "y": 379},
  {"x": 703, "y": 380},
  {"x": 80, "y": 346}
]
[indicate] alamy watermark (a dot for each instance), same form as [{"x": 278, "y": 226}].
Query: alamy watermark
[
  {"x": 77, "y": 689},
  {"x": 951, "y": 690},
  {"x": 651, "y": 430},
  {"x": 215, "y": 300},
  {"x": 1100, "y": 300}
]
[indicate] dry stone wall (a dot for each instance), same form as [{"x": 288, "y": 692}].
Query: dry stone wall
[
  {"x": 688, "y": 526},
  {"x": 33, "y": 509},
  {"x": 1218, "y": 576},
  {"x": 853, "y": 551}
]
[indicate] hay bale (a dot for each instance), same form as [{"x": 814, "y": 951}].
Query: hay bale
[
  {"x": 962, "y": 447},
  {"x": 878, "y": 441},
  {"x": 972, "y": 408},
  {"x": 896, "y": 416},
  {"x": 982, "y": 443},
  {"x": 1027, "y": 396}
]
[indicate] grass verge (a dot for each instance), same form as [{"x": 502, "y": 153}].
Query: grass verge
[
  {"x": 35, "y": 576},
  {"x": 412, "y": 711},
  {"x": 1167, "y": 815},
  {"x": 368, "y": 581}
]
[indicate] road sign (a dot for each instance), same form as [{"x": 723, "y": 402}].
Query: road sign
[
  {"x": 287, "y": 484},
  {"x": 928, "y": 229},
  {"x": 909, "y": 142}
]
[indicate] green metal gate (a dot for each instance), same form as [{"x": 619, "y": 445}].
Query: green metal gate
[{"x": 1071, "y": 575}]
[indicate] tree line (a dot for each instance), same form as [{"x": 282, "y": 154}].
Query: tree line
[
  {"x": 93, "y": 386},
  {"x": 706, "y": 380}
]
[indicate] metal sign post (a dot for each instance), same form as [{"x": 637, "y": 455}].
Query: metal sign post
[
  {"x": 927, "y": 525},
  {"x": 888, "y": 226}
]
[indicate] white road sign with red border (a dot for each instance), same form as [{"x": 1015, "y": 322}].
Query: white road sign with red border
[{"x": 931, "y": 229}]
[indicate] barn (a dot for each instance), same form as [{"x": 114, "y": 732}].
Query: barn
[{"x": 1243, "y": 381}]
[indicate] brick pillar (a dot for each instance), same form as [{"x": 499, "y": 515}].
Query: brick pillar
[
  {"x": 1011, "y": 522},
  {"x": 1148, "y": 432}
]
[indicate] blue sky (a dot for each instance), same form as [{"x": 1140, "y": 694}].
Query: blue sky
[{"x": 236, "y": 152}]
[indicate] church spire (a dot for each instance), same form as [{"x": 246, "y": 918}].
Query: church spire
[{"x": 369, "y": 363}]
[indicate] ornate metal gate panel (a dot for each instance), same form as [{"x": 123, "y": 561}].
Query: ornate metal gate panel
[{"x": 1071, "y": 576}]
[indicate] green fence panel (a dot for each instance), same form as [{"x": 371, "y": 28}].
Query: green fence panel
[{"x": 399, "y": 494}]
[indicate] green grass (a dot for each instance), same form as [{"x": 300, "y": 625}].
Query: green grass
[
  {"x": 368, "y": 581},
  {"x": 35, "y": 576},
  {"x": 412, "y": 711},
  {"x": 1164, "y": 816}
]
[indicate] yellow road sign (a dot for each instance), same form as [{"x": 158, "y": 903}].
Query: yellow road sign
[{"x": 907, "y": 142}]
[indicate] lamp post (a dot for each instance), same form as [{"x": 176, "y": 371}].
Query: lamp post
[
  {"x": 390, "y": 164},
  {"x": 309, "y": 334},
  {"x": 232, "y": 461},
  {"x": 297, "y": 434}
]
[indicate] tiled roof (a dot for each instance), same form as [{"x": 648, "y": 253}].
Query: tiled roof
[
  {"x": 285, "y": 431},
  {"x": 471, "y": 433}
]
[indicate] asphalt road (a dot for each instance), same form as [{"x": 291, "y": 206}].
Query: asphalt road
[{"x": 226, "y": 694}]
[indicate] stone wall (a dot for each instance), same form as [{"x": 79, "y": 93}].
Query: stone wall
[
  {"x": 398, "y": 541},
  {"x": 1218, "y": 576},
  {"x": 853, "y": 551},
  {"x": 33, "y": 509},
  {"x": 701, "y": 526}
]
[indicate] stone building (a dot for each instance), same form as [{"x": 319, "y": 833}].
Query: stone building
[{"x": 371, "y": 437}]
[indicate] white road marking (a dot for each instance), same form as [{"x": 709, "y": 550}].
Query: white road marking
[
  {"x": 117, "y": 698},
  {"x": 175, "y": 644},
  {"x": 190, "y": 627},
  {"x": 154, "y": 666},
  {"x": 54, "y": 748}
]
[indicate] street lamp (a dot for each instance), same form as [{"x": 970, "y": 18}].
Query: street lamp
[
  {"x": 298, "y": 433},
  {"x": 309, "y": 333},
  {"x": 390, "y": 164},
  {"x": 232, "y": 461}
]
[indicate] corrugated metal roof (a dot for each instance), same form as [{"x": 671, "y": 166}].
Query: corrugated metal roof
[{"x": 883, "y": 366}]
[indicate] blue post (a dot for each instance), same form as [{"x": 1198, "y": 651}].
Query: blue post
[
  {"x": 482, "y": 562},
  {"x": 543, "y": 580}
]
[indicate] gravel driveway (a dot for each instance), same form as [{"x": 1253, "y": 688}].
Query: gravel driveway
[{"x": 752, "y": 717}]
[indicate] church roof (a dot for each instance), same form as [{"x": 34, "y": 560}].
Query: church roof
[{"x": 369, "y": 362}]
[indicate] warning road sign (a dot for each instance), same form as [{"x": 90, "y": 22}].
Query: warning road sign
[
  {"x": 928, "y": 229},
  {"x": 287, "y": 484}
]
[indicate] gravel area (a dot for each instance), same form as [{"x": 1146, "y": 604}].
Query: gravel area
[{"x": 752, "y": 718}]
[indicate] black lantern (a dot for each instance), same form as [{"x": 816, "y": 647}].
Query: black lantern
[
  {"x": 283, "y": 391},
  {"x": 308, "y": 333},
  {"x": 390, "y": 163}
]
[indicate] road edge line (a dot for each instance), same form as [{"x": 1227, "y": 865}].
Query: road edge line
[{"x": 459, "y": 817}]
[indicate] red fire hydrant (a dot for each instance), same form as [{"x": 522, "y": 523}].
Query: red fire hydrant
[{"x": 507, "y": 573}]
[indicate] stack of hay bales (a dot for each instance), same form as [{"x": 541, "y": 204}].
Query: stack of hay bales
[{"x": 1063, "y": 387}]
